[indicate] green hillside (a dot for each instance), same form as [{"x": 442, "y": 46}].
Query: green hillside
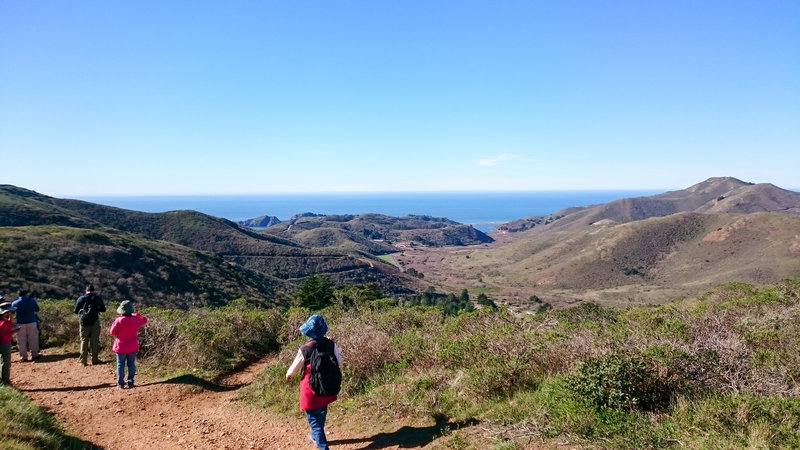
[
  {"x": 58, "y": 261},
  {"x": 55, "y": 246}
]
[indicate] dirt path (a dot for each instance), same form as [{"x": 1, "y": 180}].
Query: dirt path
[{"x": 180, "y": 413}]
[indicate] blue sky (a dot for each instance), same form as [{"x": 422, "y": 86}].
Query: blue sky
[{"x": 199, "y": 97}]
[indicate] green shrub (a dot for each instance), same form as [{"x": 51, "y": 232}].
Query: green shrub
[
  {"x": 382, "y": 304},
  {"x": 586, "y": 312},
  {"x": 210, "y": 339},
  {"x": 660, "y": 323},
  {"x": 57, "y": 323},
  {"x": 618, "y": 382}
]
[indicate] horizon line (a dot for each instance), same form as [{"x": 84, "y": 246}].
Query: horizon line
[{"x": 330, "y": 193}]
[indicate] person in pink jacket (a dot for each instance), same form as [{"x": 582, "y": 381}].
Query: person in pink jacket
[{"x": 126, "y": 344}]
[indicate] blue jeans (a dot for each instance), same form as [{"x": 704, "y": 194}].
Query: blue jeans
[
  {"x": 316, "y": 420},
  {"x": 124, "y": 359}
]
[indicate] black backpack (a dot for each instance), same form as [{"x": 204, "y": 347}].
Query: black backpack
[
  {"x": 88, "y": 313},
  {"x": 325, "y": 378}
]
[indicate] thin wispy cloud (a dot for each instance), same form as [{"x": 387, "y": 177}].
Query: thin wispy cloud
[{"x": 496, "y": 160}]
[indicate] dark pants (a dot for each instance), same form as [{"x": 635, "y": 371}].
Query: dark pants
[
  {"x": 90, "y": 337},
  {"x": 5, "y": 364}
]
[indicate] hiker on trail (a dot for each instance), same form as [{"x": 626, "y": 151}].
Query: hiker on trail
[
  {"x": 126, "y": 344},
  {"x": 28, "y": 337},
  {"x": 314, "y": 353},
  {"x": 7, "y": 328},
  {"x": 88, "y": 307}
]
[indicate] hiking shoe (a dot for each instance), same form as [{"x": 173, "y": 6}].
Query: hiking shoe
[
  {"x": 120, "y": 386},
  {"x": 23, "y": 360},
  {"x": 130, "y": 384},
  {"x": 96, "y": 362}
]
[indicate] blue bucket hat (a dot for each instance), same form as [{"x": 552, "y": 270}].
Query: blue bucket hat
[{"x": 315, "y": 327}]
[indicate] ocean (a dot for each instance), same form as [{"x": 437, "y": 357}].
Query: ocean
[{"x": 483, "y": 210}]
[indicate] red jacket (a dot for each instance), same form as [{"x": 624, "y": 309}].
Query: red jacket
[
  {"x": 6, "y": 329},
  {"x": 310, "y": 401},
  {"x": 126, "y": 330}
]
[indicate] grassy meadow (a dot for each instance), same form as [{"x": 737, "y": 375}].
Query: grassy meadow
[{"x": 717, "y": 371}]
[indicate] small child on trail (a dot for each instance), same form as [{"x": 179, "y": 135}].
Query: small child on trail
[
  {"x": 314, "y": 405},
  {"x": 7, "y": 328},
  {"x": 126, "y": 344}
]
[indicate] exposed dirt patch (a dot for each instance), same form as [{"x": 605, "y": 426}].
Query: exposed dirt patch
[
  {"x": 180, "y": 413},
  {"x": 184, "y": 412}
]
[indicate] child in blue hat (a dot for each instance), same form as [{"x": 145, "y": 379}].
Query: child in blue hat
[{"x": 314, "y": 405}]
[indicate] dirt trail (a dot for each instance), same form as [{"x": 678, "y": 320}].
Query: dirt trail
[{"x": 164, "y": 414}]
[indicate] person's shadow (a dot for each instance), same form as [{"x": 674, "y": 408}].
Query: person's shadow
[
  {"x": 408, "y": 437},
  {"x": 46, "y": 358},
  {"x": 199, "y": 382}
]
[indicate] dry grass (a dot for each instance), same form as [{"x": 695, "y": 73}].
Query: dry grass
[{"x": 665, "y": 258}]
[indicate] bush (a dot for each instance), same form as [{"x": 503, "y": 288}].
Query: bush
[
  {"x": 619, "y": 382},
  {"x": 210, "y": 339},
  {"x": 59, "y": 325},
  {"x": 290, "y": 328},
  {"x": 369, "y": 352},
  {"x": 587, "y": 312}
]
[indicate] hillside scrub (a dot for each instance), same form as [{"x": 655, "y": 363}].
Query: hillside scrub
[
  {"x": 719, "y": 370},
  {"x": 214, "y": 340}
]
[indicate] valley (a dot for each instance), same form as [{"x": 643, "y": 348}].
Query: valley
[{"x": 642, "y": 250}]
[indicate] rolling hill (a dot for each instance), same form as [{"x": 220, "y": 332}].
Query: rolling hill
[
  {"x": 261, "y": 266},
  {"x": 637, "y": 250},
  {"x": 376, "y": 234},
  {"x": 715, "y": 195},
  {"x": 55, "y": 261},
  {"x": 641, "y": 250}
]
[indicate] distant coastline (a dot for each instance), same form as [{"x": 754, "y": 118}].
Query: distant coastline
[{"x": 483, "y": 210}]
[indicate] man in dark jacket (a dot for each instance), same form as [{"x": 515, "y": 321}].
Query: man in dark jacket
[{"x": 88, "y": 307}]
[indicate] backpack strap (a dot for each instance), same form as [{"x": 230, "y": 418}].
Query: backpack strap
[
  {"x": 306, "y": 349},
  {"x": 88, "y": 300}
]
